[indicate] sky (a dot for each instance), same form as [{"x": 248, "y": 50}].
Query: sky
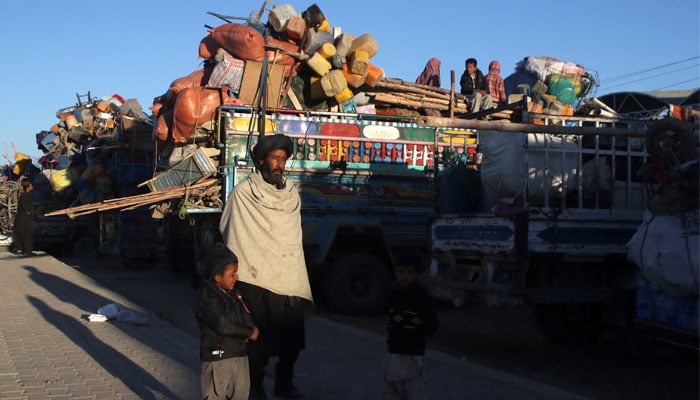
[{"x": 54, "y": 51}]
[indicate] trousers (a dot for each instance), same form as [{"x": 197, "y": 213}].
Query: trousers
[
  {"x": 280, "y": 320},
  {"x": 477, "y": 102}
]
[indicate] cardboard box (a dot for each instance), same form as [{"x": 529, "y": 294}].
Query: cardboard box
[{"x": 251, "y": 80}]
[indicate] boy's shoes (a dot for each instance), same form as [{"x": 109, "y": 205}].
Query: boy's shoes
[
  {"x": 284, "y": 388},
  {"x": 287, "y": 391},
  {"x": 257, "y": 393}
]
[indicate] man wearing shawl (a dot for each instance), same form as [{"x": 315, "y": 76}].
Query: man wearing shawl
[{"x": 261, "y": 223}]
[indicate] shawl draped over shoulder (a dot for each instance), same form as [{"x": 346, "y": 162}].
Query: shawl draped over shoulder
[{"x": 262, "y": 226}]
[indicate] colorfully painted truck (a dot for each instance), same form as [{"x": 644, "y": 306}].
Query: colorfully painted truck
[
  {"x": 367, "y": 186},
  {"x": 561, "y": 201}
]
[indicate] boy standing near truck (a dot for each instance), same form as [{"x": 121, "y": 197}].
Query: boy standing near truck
[
  {"x": 226, "y": 325},
  {"x": 412, "y": 318}
]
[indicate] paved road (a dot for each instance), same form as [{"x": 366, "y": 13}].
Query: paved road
[{"x": 49, "y": 349}]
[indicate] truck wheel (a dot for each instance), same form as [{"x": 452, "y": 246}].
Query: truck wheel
[
  {"x": 574, "y": 324},
  {"x": 357, "y": 284},
  {"x": 84, "y": 246}
]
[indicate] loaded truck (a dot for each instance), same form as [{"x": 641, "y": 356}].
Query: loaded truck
[
  {"x": 539, "y": 211},
  {"x": 563, "y": 212},
  {"x": 367, "y": 186}
]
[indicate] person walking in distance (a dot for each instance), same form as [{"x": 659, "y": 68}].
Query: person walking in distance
[
  {"x": 261, "y": 224},
  {"x": 24, "y": 221}
]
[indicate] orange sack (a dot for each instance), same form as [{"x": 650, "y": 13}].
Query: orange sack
[
  {"x": 163, "y": 127},
  {"x": 198, "y": 78},
  {"x": 163, "y": 103},
  {"x": 208, "y": 47},
  {"x": 193, "y": 107},
  {"x": 242, "y": 41},
  {"x": 155, "y": 109}
]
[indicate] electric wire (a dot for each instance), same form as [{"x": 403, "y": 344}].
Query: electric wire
[
  {"x": 696, "y": 80},
  {"x": 653, "y": 76},
  {"x": 623, "y": 76}
]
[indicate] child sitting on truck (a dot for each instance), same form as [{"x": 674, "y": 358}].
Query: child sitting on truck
[
  {"x": 225, "y": 325},
  {"x": 412, "y": 318}
]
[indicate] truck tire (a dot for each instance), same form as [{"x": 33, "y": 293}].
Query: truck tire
[
  {"x": 570, "y": 323},
  {"x": 357, "y": 284},
  {"x": 84, "y": 246}
]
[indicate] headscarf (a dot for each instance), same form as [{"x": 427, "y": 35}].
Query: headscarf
[
  {"x": 496, "y": 86},
  {"x": 431, "y": 73},
  {"x": 261, "y": 224}
]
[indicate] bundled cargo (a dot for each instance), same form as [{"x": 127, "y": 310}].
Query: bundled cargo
[
  {"x": 555, "y": 85},
  {"x": 311, "y": 65},
  {"x": 84, "y": 151}
]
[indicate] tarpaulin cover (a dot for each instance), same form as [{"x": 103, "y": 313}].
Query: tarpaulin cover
[{"x": 666, "y": 248}]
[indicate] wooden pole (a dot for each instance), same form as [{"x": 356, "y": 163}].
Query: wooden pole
[
  {"x": 416, "y": 85},
  {"x": 407, "y": 100},
  {"x": 452, "y": 93},
  {"x": 412, "y": 88}
]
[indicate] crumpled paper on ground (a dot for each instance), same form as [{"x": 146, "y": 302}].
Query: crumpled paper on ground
[
  {"x": 120, "y": 313},
  {"x": 97, "y": 318}
]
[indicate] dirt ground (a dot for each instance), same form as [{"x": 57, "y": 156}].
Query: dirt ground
[{"x": 503, "y": 338}]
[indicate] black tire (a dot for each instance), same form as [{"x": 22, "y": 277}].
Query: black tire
[
  {"x": 85, "y": 246},
  {"x": 573, "y": 324},
  {"x": 357, "y": 284}
]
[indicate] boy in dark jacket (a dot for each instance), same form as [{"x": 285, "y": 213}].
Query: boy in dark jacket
[
  {"x": 412, "y": 317},
  {"x": 225, "y": 325}
]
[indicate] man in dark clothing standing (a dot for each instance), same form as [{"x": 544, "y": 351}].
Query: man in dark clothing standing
[
  {"x": 261, "y": 224},
  {"x": 24, "y": 221},
  {"x": 475, "y": 87}
]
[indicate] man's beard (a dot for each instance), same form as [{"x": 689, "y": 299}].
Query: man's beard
[{"x": 270, "y": 177}]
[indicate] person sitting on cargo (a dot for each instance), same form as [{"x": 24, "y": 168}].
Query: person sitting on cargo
[
  {"x": 497, "y": 88},
  {"x": 474, "y": 86},
  {"x": 261, "y": 224}
]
